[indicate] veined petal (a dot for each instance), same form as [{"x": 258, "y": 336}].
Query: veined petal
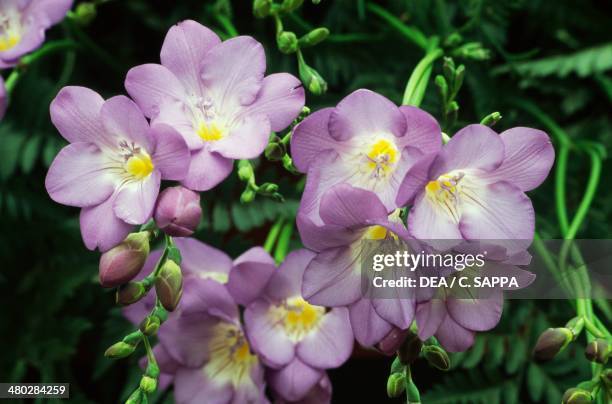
[
  {"x": 176, "y": 115},
  {"x": 350, "y": 207},
  {"x": 477, "y": 314},
  {"x": 77, "y": 176},
  {"x": 48, "y": 12},
  {"x": 287, "y": 280},
  {"x": 365, "y": 113},
  {"x": 295, "y": 380},
  {"x": 250, "y": 275},
  {"x": 151, "y": 86},
  {"x": 233, "y": 72},
  {"x": 100, "y": 227},
  {"x": 192, "y": 386},
  {"x": 453, "y": 337},
  {"x": 415, "y": 180},
  {"x": 422, "y": 130},
  {"x": 528, "y": 158},
  {"x": 331, "y": 343},
  {"x": 201, "y": 259},
  {"x": 427, "y": 221},
  {"x": 429, "y": 315},
  {"x": 33, "y": 37},
  {"x": 369, "y": 328},
  {"x": 123, "y": 119},
  {"x": 397, "y": 310},
  {"x": 186, "y": 338},
  {"x": 206, "y": 170},
  {"x": 136, "y": 199},
  {"x": 183, "y": 52},
  {"x": 245, "y": 141},
  {"x": 281, "y": 99},
  {"x": 170, "y": 153},
  {"x": 75, "y": 112}
]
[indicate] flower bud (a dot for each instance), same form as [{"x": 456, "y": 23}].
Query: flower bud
[
  {"x": 437, "y": 357},
  {"x": 245, "y": 170},
  {"x": 130, "y": 293},
  {"x": 551, "y": 342},
  {"x": 598, "y": 351},
  {"x": 85, "y": 13},
  {"x": 491, "y": 119},
  {"x": 392, "y": 341},
  {"x": 274, "y": 151},
  {"x": 136, "y": 397},
  {"x": 247, "y": 196},
  {"x": 289, "y": 5},
  {"x": 178, "y": 211},
  {"x": 577, "y": 396},
  {"x": 261, "y": 8},
  {"x": 123, "y": 262},
  {"x": 268, "y": 188},
  {"x": 312, "y": 79},
  {"x": 314, "y": 37},
  {"x": 396, "y": 384},
  {"x": 150, "y": 325},
  {"x": 119, "y": 350},
  {"x": 287, "y": 42},
  {"x": 148, "y": 384},
  {"x": 169, "y": 285},
  {"x": 410, "y": 349}
]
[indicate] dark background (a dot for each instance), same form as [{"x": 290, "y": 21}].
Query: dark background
[{"x": 56, "y": 321}]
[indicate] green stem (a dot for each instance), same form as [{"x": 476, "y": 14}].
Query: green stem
[
  {"x": 283, "y": 243},
  {"x": 417, "y": 83},
  {"x": 273, "y": 235},
  {"x": 560, "y": 176},
  {"x": 412, "y": 34}
]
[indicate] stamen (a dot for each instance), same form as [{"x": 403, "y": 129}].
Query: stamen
[{"x": 445, "y": 192}]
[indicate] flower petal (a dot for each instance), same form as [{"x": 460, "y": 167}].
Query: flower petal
[
  {"x": 528, "y": 158},
  {"x": 369, "y": 328},
  {"x": 206, "y": 170},
  {"x": 233, "y": 72},
  {"x": 75, "y": 112},
  {"x": 183, "y": 52},
  {"x": 429, "y": 315},
  {"x": 77, "y": 176},
  {"x": 287, "y": 281},
  {"x": 427, "y": 221},
  {"x": 396, "y": 310},
  {"x": 123, "y": 119},
  {"x": 331, "y": 343},
  {"x": 498, "y": 211},
  {"x": 267, "y": 336},
  {"x": 294, "y": 381},
  {"x": 245, "y": 141},
  {"x": 453, "y": 337},
  {"x": 177, "y": 115},
  {"x": 100, "y": 227},
  {"x": 321, "y": 237},
  {"x": 475, "y": 146},
  {"x": 151, "y": 86},
  {"x": 170, "y": 155},
  {"x": 201, "y": 259},
  {"x": 3, "y": 98},
  {"x": 192, "y": 386},
  {"x": 422, "y": 130},
  {"x": 186, "y": 338},
  {"x": 332, "y": 278},
  {"x": 48, "y": 12},
  {"x": 477, "y": 314},
  {"x": 350, "y": 207},
  {"x": 415, "y": 180},
  {"x": 250, "y": 275},
  {"x": 281, "y": 99},
  {"x": 136, "y": 200},
  {"x": 365, "y": 113}
]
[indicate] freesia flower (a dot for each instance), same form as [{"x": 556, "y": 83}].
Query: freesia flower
[
  {"x": 297, "y": 339},
  {"x": 215, "y": 94},
  {"x": 365, "y": 141},
  {"x": 333, "y": 278},
  {"x": 474, "y": 188},
  {"x": 3, "y": 98},
  {"x": 23, "y": 24},
  {"x": 114, "y": 163},
  {"x": 178, "y": 211}
]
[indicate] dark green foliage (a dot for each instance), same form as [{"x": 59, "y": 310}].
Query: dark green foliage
[{"x": 57, "y": 321}]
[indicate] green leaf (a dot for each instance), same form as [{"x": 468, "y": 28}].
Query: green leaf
[
  {"x": 535, "y": 382},
  {"x": 30, "y": 154},
  {"x": 221, "y": 222},
  {"x": 516, "y": 356},
  {"x": 475, "y": 354}
]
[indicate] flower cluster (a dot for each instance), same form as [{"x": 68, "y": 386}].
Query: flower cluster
[
  {"x": 366, "y": 158},
  {"x": 211, "y": 355}
]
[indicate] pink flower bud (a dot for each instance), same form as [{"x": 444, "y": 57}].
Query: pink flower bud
[
  {"x": 178, "y": 211},
  {"x": 123, "y": 262}
]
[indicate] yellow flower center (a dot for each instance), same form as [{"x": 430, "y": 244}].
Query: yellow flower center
[
  {"x": 9, "y": 40},
  {"x": 211, "y": 131},
  {"x": 230, "y": 359},
  {"x": 381, "y": 157},
  {"x": 297, "y": 317},
  {"x": 444, "y": 192},
  {"x": 139, "y": 165}
]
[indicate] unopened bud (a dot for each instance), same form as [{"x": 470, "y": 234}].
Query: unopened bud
[
  {"x": 130, "y": 293},
  {"x": 577, "y": 396},
  {"x": 123, "y": 262},
  {"x": 178, "y": 211},
  {"x": 150, "y": 325},
  {"x": 85, "y": 13},
  {"x": 411, "y": 348},
  {"x": 442, "y": 86},
  {"x": 551, "y": 342},
  {"x": 437, "y": 357},
  {"x": 312, "y": 79},
  {"x": 245, "y": 170},
  {"x": 136, "y": 397},
  {"x": 598, "y": 351},
  {"x": 274, "y": 151},
  {"x": 169, "y": 285},
  {"x": 287, "y": 42},
  {"x": 119, "y": 350},
  {"x": 268, "y": 188},
  {"x": 261, "y": 8},
  {"x": 247, "y": 196},
  {"x": 314, "y": 37},
  {"x": 148, "y": 384},
  {"x": 396, "y": 385},
  {"x": 392, "y": 341},
  {"x": 491, "y": 119},
  {"x": 289, "y": 5}
]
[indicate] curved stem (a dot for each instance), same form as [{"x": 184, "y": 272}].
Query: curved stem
[
  {"x": 417, "y": 83},
  {"x": 283, "y": 243},
  {"x": 412, "y": 34},
  {"x": 560, "y": 176},
  {"x": 273, "y": 235}
]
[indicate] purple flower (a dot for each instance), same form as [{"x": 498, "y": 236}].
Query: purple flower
[
  {"x": 3, "y": 98},
  {"x": 114, "y": 163},
  {"x": 297, "y": 339},
  {"x": 365, "y": 141},
  {"x": 319, "y": 394},
  {"x": 178, "y": 211},
  {"x": 474, "y": 188},
  {"x": 215, "y": 94},
  {"x": 23, "y": 24}
]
